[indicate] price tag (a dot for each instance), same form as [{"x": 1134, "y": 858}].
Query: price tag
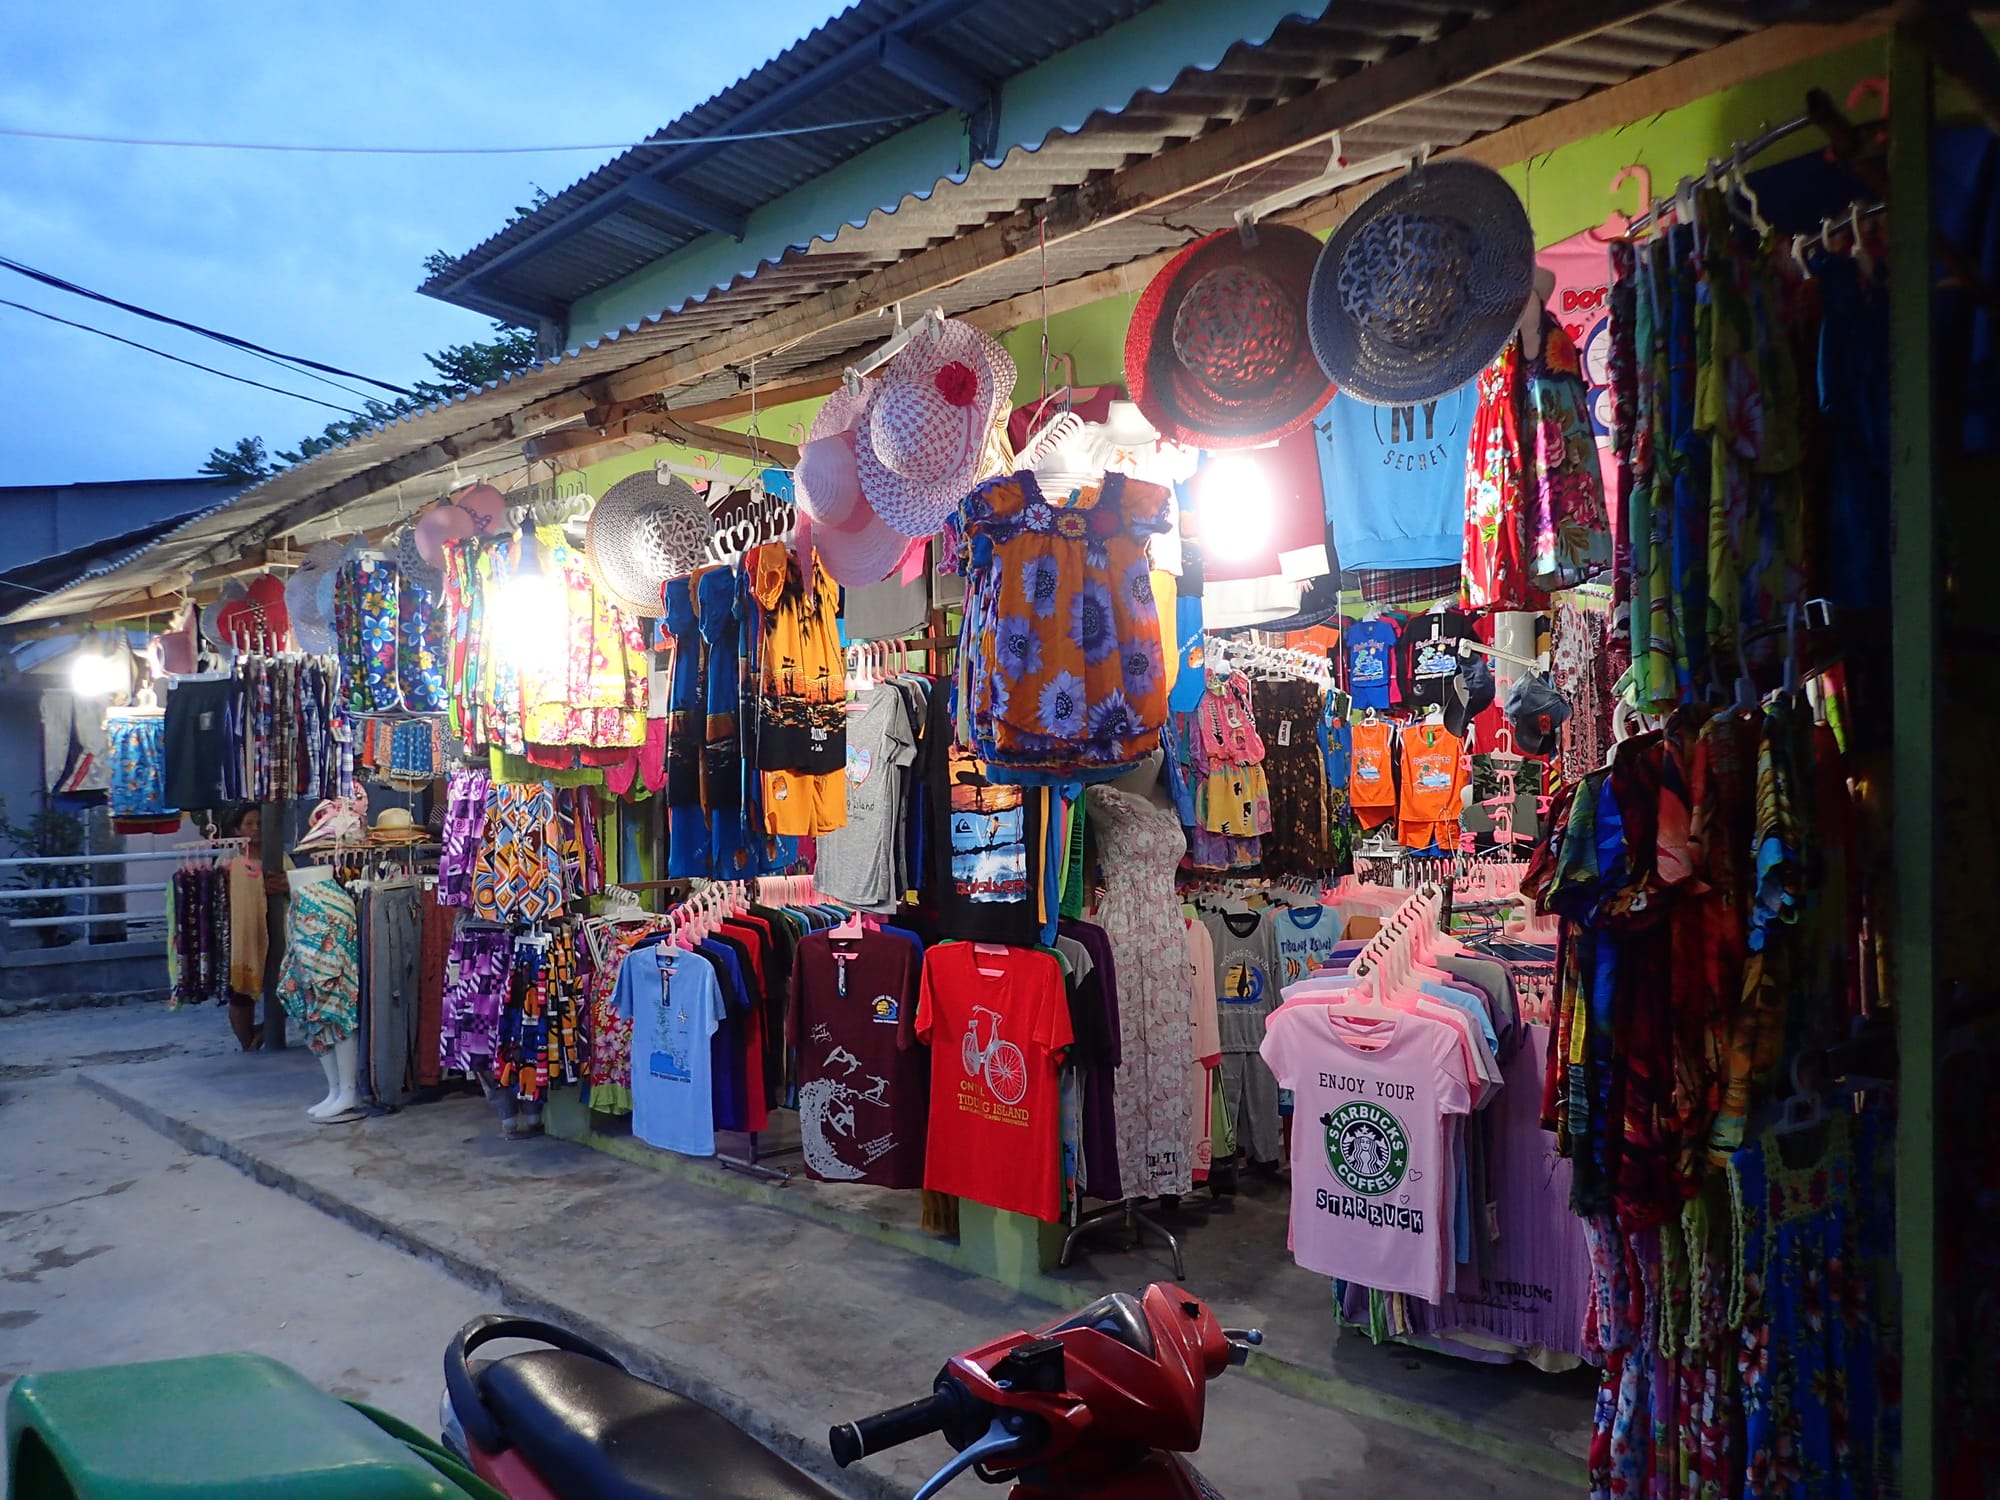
[{"x": 1284, "y": 731}]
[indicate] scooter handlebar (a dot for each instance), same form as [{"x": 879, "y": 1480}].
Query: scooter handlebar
[{"x": 853, "y": 1441}]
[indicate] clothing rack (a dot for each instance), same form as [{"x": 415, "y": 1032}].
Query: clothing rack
[
  {"x": 1137, "y": 1224},
  {"x": 1741, "y": 152},
  {"x": 1287, "y": 661}
]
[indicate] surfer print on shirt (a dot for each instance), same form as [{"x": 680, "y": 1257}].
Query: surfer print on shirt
[
  {"x": 670, "y": 1059},
  {"x": 843, "y": 1114},
  {"x": 1242, "y": 978}
]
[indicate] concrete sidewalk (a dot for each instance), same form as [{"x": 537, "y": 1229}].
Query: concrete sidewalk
[{"x": 785, "y": 1324}]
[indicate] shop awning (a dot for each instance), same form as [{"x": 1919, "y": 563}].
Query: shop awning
[{"x": 1088, "y": 215}]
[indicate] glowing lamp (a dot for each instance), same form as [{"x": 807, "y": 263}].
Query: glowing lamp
[
  {"x": 97, "y": 674},
  {"x": 1237, "y": 509},
  {"x": 530, "y": 619}
]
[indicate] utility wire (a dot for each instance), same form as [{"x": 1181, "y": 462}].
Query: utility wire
[
  {"x": 239, "y": 379},
  {"x": 696, "y": 140},
  {"x": 47, "y": 279}
]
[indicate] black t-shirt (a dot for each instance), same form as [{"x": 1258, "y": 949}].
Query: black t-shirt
[
  {"x": 1427, "y": 656},
  {"x": 864, "y": 1079},
  {"x": 986, "y": 853}
]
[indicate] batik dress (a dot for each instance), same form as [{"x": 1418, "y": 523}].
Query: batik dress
[{"x": 1071, "y": 672}]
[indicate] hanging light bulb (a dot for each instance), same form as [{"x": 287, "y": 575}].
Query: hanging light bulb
[
  {"x": 530, "y": 618},
  {"x": 98, "y": 674},
  {"x": 1236, "y": 507}
]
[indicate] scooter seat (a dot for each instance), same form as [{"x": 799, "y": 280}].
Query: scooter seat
[{"x": 593, "y": 1432}]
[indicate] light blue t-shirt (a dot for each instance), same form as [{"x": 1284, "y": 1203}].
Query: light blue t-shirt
[
  {"x": 1306, "y": 937},
  {"x": 1394, "y": 479},
  {"x": 675, "y": 1005}
]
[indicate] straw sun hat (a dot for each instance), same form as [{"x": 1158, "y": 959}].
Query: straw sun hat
[
  {"x": 920, "y": 443},
  {"x": 1217, "y": 355},
  {"x": 641, "y": 533},
  {"x": 1423, "y": 284}
]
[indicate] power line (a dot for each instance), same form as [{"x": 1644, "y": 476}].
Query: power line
[
  {"x": 48, "y": 279},
  {"x": 698, "y": 140},
  {"x": 192, "y": 364}
]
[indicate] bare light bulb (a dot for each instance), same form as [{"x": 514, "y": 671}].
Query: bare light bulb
[
  {"x": 1237, "y": 509},
  {"x": 531, "y": 622},
  {"x": 92, "y": 674}
]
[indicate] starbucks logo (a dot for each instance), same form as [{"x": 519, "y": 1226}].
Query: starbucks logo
[{"x": 1366, "y": 1147}]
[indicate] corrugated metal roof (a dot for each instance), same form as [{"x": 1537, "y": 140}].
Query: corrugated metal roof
[
  {"x": 482, "y": 433},
  {"x": 878, "y": 60}
]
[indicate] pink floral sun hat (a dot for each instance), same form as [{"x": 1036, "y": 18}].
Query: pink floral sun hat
[
  {"x": 827, "y": 483},
  {"x": 919, "y": 447}
]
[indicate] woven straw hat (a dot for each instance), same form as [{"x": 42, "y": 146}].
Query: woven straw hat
[
  {"x": 642, "y": 533},
  {"x": 1217, "y": 354},
  {"x": 921, "y": 442},
  {"x": 1422, "y": 286}
]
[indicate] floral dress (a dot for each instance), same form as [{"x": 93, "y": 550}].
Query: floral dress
[
  {"x": 1569, "y": 526},
  {"x": 1496, "y": 492},
  {"x": 1139, "y": 913},
  {"x": 1064, "y": 668},
  {"x": 378, "y": 598},
  {"x": 420, "y": 648}
]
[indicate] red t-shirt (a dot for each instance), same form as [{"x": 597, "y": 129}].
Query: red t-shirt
[{"x": 996, "y": 1020}]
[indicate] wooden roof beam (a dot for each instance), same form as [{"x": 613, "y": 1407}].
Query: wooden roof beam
[{"x": 1472, "y": 51}]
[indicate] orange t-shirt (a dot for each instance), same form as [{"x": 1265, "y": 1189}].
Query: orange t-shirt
[
  {"x": 995, "y": 1020},
  {"x": 1434, "y": 776},
  {"x": 1371, "y": 775}
]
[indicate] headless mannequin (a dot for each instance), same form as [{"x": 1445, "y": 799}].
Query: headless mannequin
[{"x": 342, "y": 1062}]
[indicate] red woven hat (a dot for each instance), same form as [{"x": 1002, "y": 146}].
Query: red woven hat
[{"x": 1218, "y": 354}]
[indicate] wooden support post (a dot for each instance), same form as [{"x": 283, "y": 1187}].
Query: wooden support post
[{"x": 1916, "y": 638}]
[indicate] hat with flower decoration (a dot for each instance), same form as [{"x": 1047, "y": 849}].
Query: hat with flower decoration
[{"x": 922, "y": 438}]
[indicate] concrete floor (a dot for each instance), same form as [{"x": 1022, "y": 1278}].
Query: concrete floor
[{"x": 117, "y": 1245}]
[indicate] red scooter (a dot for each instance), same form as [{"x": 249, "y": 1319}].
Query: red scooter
[{"x": 1100, "y": 1404}]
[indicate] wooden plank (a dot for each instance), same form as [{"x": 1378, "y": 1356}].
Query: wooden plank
[
  {"x": 1917, "y": 769},
  {"x": 1672, "y": 87},
  {"x": 1473, "y": 51},
  {"x": 253, "y": 561},
  {"x": 742, "y": 404}
]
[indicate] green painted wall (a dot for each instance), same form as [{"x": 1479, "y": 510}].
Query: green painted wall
[{"x": 1567, "y": 190}]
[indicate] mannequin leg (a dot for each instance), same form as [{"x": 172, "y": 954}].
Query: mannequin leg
[
  {"x": 332, "y": 1070},
  {"x": 343, "y": 1063}
]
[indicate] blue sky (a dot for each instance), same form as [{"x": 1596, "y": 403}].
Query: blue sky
[{"x": 313, "y": 255}]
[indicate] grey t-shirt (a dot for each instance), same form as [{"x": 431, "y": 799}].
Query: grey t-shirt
[
  {"x": 856, "y": 863},
  {"x": 1246, "y": 976}
]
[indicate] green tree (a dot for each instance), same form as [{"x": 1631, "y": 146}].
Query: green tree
[
  {"x": 246, "y": 461},
  {"x": 61, "y": 836},
  {"x": 461, "y": 369}
]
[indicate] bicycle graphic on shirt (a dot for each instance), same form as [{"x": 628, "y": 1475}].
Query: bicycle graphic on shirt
[{"x": 1000, "y": 1063}]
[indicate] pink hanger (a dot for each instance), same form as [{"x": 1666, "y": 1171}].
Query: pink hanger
[{"x": 1618, "y": 224}]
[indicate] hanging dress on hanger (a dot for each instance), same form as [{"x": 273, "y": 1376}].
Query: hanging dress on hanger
[{"x": 1142, "y": 916}]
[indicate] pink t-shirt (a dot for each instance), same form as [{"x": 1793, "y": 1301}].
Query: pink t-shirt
[{"x": 1371, "y": 1164}]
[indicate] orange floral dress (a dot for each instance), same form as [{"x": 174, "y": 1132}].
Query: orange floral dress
[{"x": 1063, "y": 669}]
